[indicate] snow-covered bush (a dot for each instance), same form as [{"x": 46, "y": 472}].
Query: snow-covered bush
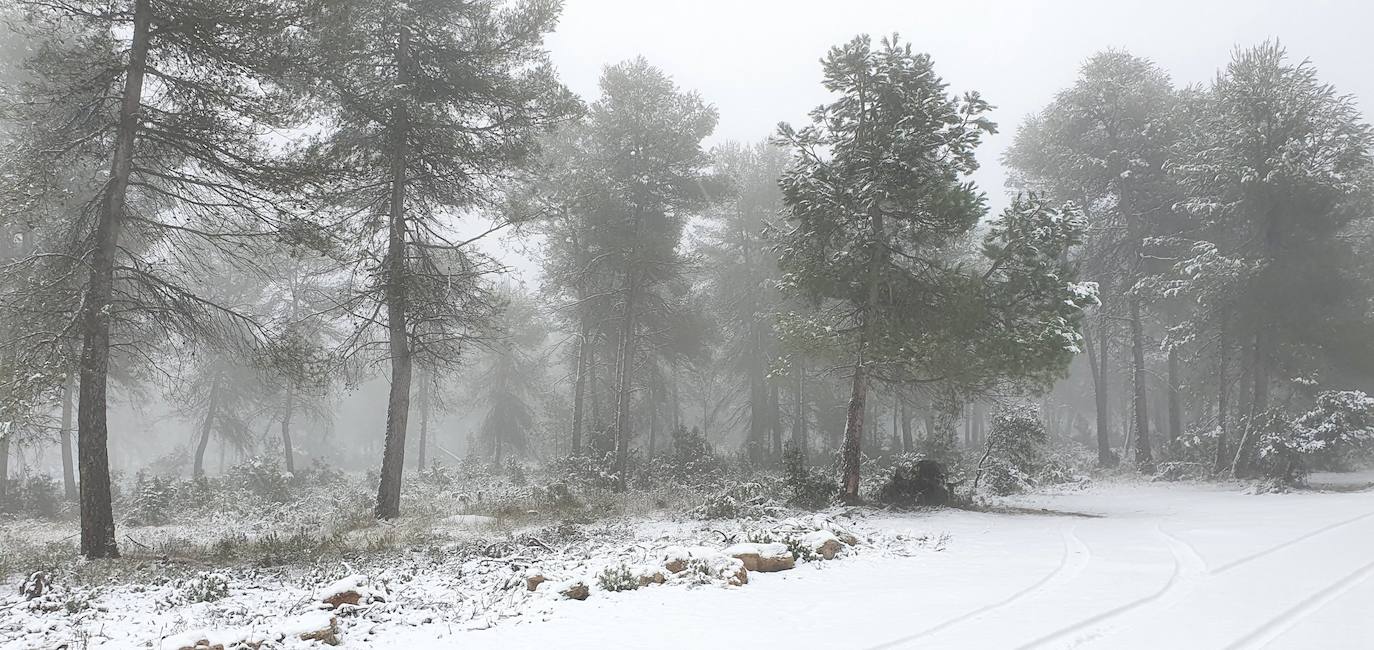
[
  {"x": 806, "y": 487},
  {"x": 1339, "y": 425},
  {"x": 204, "y": 587},
  {"x": 592, "y": 469},
  {"x": 263, "y": 478},
  {"x": 1015, "y": 450},
  {"x": 617, "y": 578},
  {"x": 912, "y": 480},
  {"x": 746, "y": 500},
  {"x": 1066, "y": 462},
  {"x": 38, "y": 495},
  {"x": 1191, "y": 455},
  {"x": 515, "y": 473},
  {"x": 153, "y": 498},
  {"x": 692, "y": 461}
]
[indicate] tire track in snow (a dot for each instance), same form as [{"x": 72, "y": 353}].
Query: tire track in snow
[
  {"x": 1072, "y": 560},
  {"x": 1274, "y": 627},
  {"x": 1180, "y": 559},
  {"x": 1296, "y": 540}
]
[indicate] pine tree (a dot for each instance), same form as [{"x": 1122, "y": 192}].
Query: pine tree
[
  {"x": 432, "y": 104},
  {"x": 742, "y": 275},
  {"x": 878, "y": 210},
  {"x": 644, "y": 142},
  {"x": 172, "y": 97},
  {"x": 1273, "y": 157},
  {"x": 1104, "y": 144}
]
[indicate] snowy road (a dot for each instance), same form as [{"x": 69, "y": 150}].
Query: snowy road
[{"x": 1176, "y": 566}]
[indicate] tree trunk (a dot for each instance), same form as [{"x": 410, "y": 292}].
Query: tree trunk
[
  {"x": 854, "y": 416},
  {"x": 287, "y": 411},
  {"x": 93, "y": 454},
  {"x": 68, "y": 472},
  {"x": 206, "y": 428},
  {"x": 799, "y": 410},
  {"x": 758, "y": 411},
  {"x": 653, "y": 418},
  {"x": 398, "y": 402},
  {"x": 853, "y": 429},
  {"x": 4, "y": 465},
  {"x": 908, "y": 444},
  {"x": 1223, "y": 395},
  {"x": 1097, "y": 364},
  {"x": 622, "y": 387},
  {"x": 426, "y": 386},
  {"x": 775, "y": 414},
  {"x": 1175, "y": 397},
  {"x": 584, "y": 358},
  {"x": 1144, "y": 459}
]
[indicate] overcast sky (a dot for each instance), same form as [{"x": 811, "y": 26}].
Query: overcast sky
[{"x": 757, "y": 60}]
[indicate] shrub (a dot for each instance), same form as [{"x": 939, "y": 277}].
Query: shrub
[
  {"x": 807, "y": 488},
  {"x": 913, "y": 480},
  {"x": 1015, "y": 449},
  {"x": 436, "y": 475},
  {"x": 515, "y": 471},
  {"x": 693, "y": 461},
  {"x": 40, "y": 495},
  {"x": 205, "y": 587},
  {"x": 263, "y": 478},
  {"x": 152, "y": 500},
  {"x": 617, "y": 578}
]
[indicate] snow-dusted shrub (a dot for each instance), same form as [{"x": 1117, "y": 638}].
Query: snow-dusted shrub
[
  {"x": 204, "y": 587},
  {"x": 1015, "y": 449},
  {"x": 153, "y": 498},
  {"x": 437, "y": 475},
  {"x": 1181, "y": 470},
  {"x": 617, "y": 578},
  {"x": 746, "y": 500},
  {"x": 515, "y": 473},
  {"x": 1340, "y": 424},
  {"x": 38, "y": 495},
  {"x": 806, "y": 487},
  {"x": 592, "y": 469},
  {"x": 320, "y": 472},
  {"x": 912, "y": 480},
  {"x": 263, "y": 478},
  {"x": 692, "y": 461}
]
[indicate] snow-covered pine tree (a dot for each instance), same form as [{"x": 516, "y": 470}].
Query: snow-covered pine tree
[{"x": 430, "y": 105}]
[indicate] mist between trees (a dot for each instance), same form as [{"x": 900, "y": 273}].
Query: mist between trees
[{"x": 230, "y": 227}]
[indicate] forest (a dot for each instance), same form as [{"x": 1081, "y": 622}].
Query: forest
[{"x": 359, "y": 292}]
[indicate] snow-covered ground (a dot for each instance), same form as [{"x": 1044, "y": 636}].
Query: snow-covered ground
[
  {"x": 1130, "y": 565},
  {"x": 1157, "y": 566}
]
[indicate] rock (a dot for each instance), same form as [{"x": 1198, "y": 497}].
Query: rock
[
  {"x": 775, "y": 557},
  {"x": 576, "y": 591},
  {"x": 532, "y": 582},
  {"x": 740, "y": 577},
  {"x": 824, "y": 543},
  {"x": 328, "y": 635},
  {"x": 654, "y": 577},
  {"x": 203, "y": 644},
  {"x": 34, "y": 586},
  {"x": 349, "y": 597},
  {"x": 746, "y": 553},
  {"x": 675, "y": 557},
  {"x": 312, "y": 626},
  {"x": 764, "y": 558},
  {"x": 848, "y": 538},
  {"x": 346, "y": 591}
]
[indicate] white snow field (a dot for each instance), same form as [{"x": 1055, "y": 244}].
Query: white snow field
[
  {"x": 1116, "y": 565},
  {"x": 1158, "y": 566}
]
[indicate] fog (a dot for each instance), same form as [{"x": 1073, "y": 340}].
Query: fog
[{"x": 420, "y": 306}]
